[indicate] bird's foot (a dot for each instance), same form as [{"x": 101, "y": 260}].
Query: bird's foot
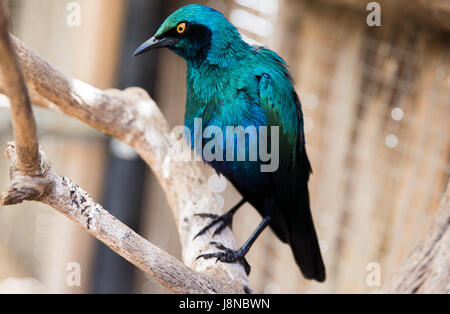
[
  {"x": 223, "y": 221},
  {"x": 227, "y": 256}
]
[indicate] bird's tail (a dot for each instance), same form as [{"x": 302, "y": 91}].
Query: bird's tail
[{"x": 303, "y": 239}]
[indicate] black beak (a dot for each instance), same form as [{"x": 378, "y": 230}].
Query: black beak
[{"x": 154, "y": 43}]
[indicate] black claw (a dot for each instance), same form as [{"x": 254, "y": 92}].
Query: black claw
[
  {"x": 246, "y": 265},
  {"x": 205, "y": 256},
  {"x": 222, "y": 226},
  {"x": 205, "y": 229},
  {"x": 224, "y": 220},
  {"x": 220, "y": 246},
  {"x": 212, "y": 216},
  {"x": 227, "y": 256}
]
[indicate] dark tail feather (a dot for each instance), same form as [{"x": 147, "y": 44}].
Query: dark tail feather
[{"x": 303, "y": 240}]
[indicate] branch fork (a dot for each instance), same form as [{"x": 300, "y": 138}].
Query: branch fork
[{"x": 23, "y": 187}]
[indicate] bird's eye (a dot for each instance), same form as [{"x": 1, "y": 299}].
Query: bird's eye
[{"x": 181, "y": 28}]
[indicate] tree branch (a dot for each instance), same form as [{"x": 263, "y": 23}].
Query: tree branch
[
  {"x": 72, "y": 201},
  {"x": 427, "y": 268},
  {"x": 133, "y": 117},
  {"x": 24, "y": 127}
]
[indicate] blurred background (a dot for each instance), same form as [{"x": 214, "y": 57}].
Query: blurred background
[{"x": 376, "y": 102}]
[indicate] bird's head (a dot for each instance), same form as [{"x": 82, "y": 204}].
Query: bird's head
[{"x": 198, "y": 34}]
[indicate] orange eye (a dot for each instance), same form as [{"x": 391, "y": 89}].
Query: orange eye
[{"x": 181, "y": 28}]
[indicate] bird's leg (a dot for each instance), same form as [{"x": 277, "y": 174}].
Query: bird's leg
[
  {"x": 230, "y": 256},
  {"x": 224, "y": 220}
]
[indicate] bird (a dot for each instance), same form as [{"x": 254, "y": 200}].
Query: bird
[{"x": 232, "y": 83}]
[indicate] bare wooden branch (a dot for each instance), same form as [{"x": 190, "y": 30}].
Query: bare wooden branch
[
  {"x": 427, "y": 268},
  {"x": 72, "y": 201},
  {"x": 133, "y": 117},
  {"x": 24, "y": 126}
]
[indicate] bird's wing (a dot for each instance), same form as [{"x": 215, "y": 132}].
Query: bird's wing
[
  {"x": 279, "y": 100},
  {"x": 282, "y": 106}
]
